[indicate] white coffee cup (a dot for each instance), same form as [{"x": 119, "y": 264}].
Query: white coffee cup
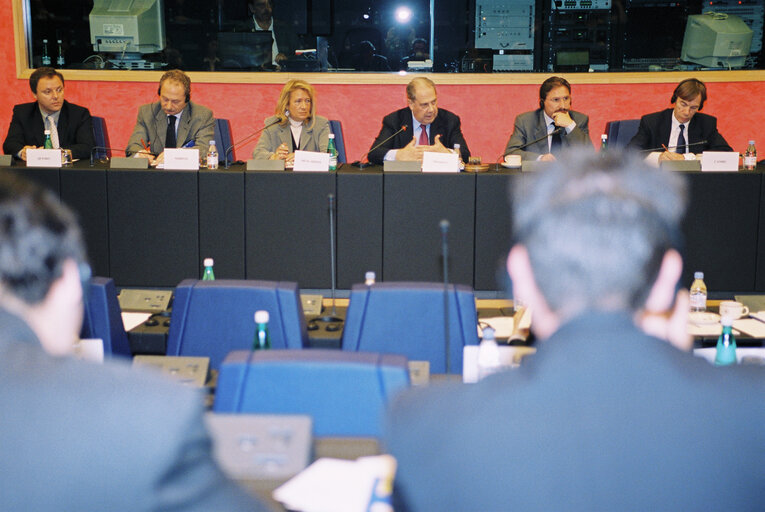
[
  {"x": 513, "y": 160},
  {"x": 733, "y": 309}
]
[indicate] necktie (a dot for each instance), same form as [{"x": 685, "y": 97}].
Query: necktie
[
  {"x": 556, "y": 142},
  {"x": 170, "y": 137},
  {"x": 423, "y": 136},
  {"x": 681, "y": 147},
  {"x": 51, "y": 125}
]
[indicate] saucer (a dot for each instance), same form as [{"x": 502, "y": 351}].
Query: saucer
[{"x": 703, "y": 318}]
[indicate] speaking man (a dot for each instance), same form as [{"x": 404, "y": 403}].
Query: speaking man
[
  {"x": 70, "y": 125},
  {"x": 603, "y": 416},
  {"x": 75, "y": 435},
  {"x": 543, "y": 133},
  {"x": 172, "y": 122},
  {"x": 681, "y": 130},
  {"x": 419, "y": 127}
]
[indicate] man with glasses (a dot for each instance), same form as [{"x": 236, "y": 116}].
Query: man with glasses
[{"x": 70, "y": 125}]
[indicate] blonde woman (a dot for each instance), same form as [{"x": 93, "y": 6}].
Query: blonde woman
[{"x": 296, "y": 126}]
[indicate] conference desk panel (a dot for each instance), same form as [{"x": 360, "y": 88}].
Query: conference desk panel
[
  {"x": 492, "y": 228},
  {"x": 153, "y": 226},
  {"x": 413, "y": 207},
  {"x": 221, "y": 222}
]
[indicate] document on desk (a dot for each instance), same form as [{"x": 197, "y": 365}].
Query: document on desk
[
  {"x": 503, "y": 325},
  {"x": 131, "y": 320},
  {"x": 751, "y": 326}
]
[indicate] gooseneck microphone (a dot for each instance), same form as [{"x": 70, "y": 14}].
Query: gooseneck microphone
[
  {"x": 668, "y": 148},
  {"x": 251, "y": 136},
  {"x": 360, "y": 163},
  {"x": 333, "y": 320},
  {"x": 444, "y": 225},
  {"x": 540, "y": 139}
]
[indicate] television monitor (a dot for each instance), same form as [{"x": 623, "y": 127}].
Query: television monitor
[
  {"x": 716, "y": 40},
  {"x": 127, "y": 27}
]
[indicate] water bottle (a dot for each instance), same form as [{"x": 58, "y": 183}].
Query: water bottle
[
  {"x": 488, "y": 354},
  {"x": 262, "y": 339},
  {"x": 369, "y": 278},
  {"x": 698, "y": 293},
  {"x": 750, "y": 157},
  {"x": 48, "y": 144},
  {"x": 45, "y": 54},
  {"x": 603, "y": 143},
  {"x": 459, "y": 156},
  {"x": 212, "y": 156},
  {"x": 726, "y": 344},
  {"x": 60, "y": 58},
  {"x": 332, "y": 150},
  {"x": 208, "y": 274}
]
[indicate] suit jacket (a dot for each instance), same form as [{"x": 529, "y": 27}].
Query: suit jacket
[
  {"x": 75, "y": 129},
  {"x": 603, "y": 417},
  {"x": 197, "y": 124},
  {"x": 312, "y": 138},
  {"x": 79, "y": 436},
  {"x": 655, "y": 129},
  {"x": 532, "y": 125},
  {"x": 445, "y": 124}
]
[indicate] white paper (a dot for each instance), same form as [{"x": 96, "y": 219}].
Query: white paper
[
  {"x": 440, "y": 162},
  {"x": 43, "y": 158},
  {"x": 90, "y": 349},
  {"x": 131, "y": 320},
  {"x": 311, "y": 161},
  {"x": 718, "y": 161},
  {"x": 182, "y": 159},
  {"x": 503, "y": 325},
  {"x": 750, "y": 326}
]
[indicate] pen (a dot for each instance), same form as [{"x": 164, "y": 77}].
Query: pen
[
  {"x": 188, "y": 144},
  {"x": 145, "y": 147},
  {"x": 665, "y": 147}
]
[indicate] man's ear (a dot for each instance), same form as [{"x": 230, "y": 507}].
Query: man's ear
[
  {"x": 544, "y": 321},
  {"x": 664, "y": 289}
]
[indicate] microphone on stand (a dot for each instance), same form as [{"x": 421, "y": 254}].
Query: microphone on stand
[
  {"x": 444, "y": 225},
  {"x": 335, "y": 322},
  {"x": 360, "y": 163},
  {"x": 667, "y": 148},
  {"x": 251, "y": 136},
  {"x": 524, "y": 146}
]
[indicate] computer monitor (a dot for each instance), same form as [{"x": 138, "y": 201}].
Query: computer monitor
[
  {"x": 716, "y": 40},
  {"x": 127, "y": 27},
  {"x": 244, "y": 50}
]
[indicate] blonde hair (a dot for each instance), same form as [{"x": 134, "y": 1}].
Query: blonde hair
[{"x": 284, "y": 99}]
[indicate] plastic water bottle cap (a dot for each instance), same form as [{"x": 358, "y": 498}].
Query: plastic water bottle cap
[
  {"x": 208, "y": 262},
  {"x": 698, "y": 275},
  {"x": 261, "y": 317},
  {"x": 46, "y": 132},
  {"x": 331, "y": 135},
  {"x": 212, "y": 142},
  {"x": 370, "y": 276},
  {"x": 751, "y": 143},
  {"x": 726, "y": 321},
  {"x": 488, "y": 333}
]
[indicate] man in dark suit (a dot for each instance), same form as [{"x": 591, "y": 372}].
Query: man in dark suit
[
  {"x": 75, "y": 435},
  {"x": 682, "y": 130},
  {"x": 172, "y": 122},
  {"x": 604, "y": 416},
  {"x": 554, "y": 117},
  {"x": 71, "y": 125},
  {"x": 425, "y": 128}
]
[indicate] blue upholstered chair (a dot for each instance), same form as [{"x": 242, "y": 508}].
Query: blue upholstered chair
[
  {"x": 408, "y": 319},
  {"x": 345, "y": 393},
  {"x": 620, "y": 133},
  {"x": 223, "y": 139},
  {"x": 101, "y": 137},
  {"x": 212, "y": 318},
  {"x": 103, "y": 318},
  {"x": 336, "y": 127}
]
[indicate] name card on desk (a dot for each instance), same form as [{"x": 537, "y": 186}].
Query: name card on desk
[
  {"x": 182, "y": 159},
  {"x": 311, "y": 161},
  {"x": 719, "y": 161},
  {"x": 440, "y": 162},
  {"x": 43, "y": 158}
]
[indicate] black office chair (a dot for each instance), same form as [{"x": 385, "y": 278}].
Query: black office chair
[
  {"x": 336, "y": 127},
  {"x": 620, "y": 133}
]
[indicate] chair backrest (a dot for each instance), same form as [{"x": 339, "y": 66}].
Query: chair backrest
[
  {"x": 101, "y": 137},
  {"x": 212, "y": 318},
  {"x": 408, "y": 319},
  {"x": 223, "y": 139},
  {"x": 345, "y": 393},
  {"x": 620, "y": 133},
  {"x": 336, "y": 127},
  {"x": 103, "y": 317}
]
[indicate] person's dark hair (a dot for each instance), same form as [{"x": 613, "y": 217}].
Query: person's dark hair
[
  {"x": 37, "y": 235},
  {"x": 688, "y": 89},
  {"x": 550, "y": 84},
  {"x": 39, "y": 73},
  {"x": 176, "y": 75},
  {"x": 596, "y": 229}
]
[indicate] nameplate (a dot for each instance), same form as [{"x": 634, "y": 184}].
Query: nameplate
[
  {"x": 681, "y": 165},
  {"x": 186, "y": 370},
  {"x": 43, "y": 158},
  {"x": 401, "y": 166},
  {"x": 122, "y": 162},
  {"x": 719, "y": 161},
  {"x": 265, "y": 165},
  {"x": 182, "y": 159},
  {"x": 6, "y": 160},
  {"x": 440, "y": 162},
  {"x": 311, "y": 161}
]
